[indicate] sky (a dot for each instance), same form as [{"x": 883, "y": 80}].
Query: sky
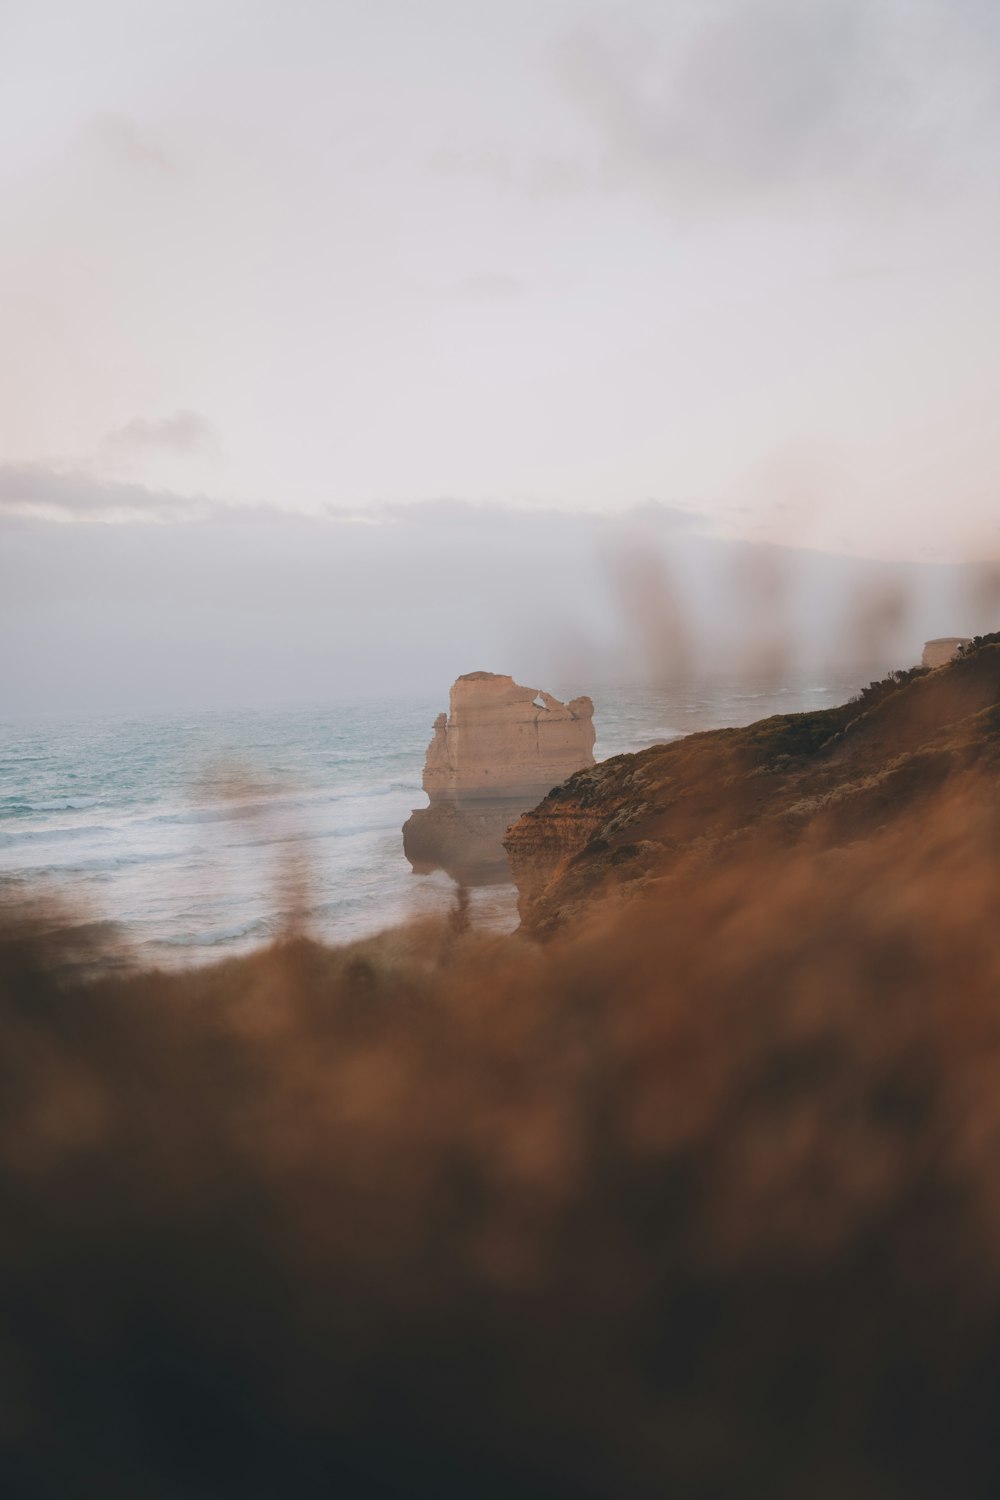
[{"x": 266, "y": 267}]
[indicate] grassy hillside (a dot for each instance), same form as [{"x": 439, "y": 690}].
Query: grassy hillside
[
  {"x": 699, "y": 1198},
  {"x": 823, "y": 778}
]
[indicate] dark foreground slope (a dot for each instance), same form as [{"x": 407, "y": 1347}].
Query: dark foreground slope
[
  {"x": 700, "y": 1199},
  {"x": 823, "y": 778}
]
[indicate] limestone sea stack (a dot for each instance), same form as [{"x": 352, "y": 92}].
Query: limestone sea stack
[
  {"x": 500, "y": 748},
  {"x": 943, "y": 649}
]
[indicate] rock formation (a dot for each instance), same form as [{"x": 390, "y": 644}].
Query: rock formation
[
  {"x": 942, "y": 649},
  {"x": 827, "y": 777},
  {"x": 496, "y": 753}
]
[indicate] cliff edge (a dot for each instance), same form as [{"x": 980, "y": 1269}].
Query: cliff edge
[{"x": 828, "y": 777}]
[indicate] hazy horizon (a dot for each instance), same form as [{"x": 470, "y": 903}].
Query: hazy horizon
[{"x": 268, "y": 611}]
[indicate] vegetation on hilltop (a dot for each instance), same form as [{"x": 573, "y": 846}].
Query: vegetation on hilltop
[
  {"x": 978, "y": 642},
  {"x": 827, "y": 776}
]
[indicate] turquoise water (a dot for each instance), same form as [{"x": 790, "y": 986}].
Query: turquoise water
[{"x": 186, "y": 836}]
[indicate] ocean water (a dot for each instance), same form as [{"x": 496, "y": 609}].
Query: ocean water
[{"x": 184, "y": 837}]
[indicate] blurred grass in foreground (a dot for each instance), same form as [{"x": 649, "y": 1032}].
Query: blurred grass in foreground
[{"x": 699, "y": 1200}]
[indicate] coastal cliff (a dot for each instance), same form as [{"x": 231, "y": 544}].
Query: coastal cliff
[
  {"x": 498, "y": 750},
  {"x": 827, "y": 777}
]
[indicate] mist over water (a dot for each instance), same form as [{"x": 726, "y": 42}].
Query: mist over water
[{"x": 180, "y": 830}]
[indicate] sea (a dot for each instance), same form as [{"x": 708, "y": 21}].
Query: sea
[{"x": 180, "y": 838}]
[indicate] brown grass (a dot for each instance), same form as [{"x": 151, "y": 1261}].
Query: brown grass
[{"x": 700, "y": 1200}]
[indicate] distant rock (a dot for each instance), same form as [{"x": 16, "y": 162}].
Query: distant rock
[
  {"x": 498, "y": 751},
  {"x": 943, "y": 649}
]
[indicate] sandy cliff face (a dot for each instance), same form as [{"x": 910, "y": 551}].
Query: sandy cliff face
[
  {"x": 503, "y": 740},
  {"x": 499, "y": 749},
  {"x": 827, "y": 777},
  {"x": 943, "y": 649}
]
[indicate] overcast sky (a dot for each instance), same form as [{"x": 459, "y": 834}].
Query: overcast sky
[{"x": 734, "y": 256}]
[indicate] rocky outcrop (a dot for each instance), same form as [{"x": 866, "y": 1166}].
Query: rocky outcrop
[
  {"x": 943, "y": 649},
  {"x": 828, "y": 777},
  {"x": 497, "y": 751}
]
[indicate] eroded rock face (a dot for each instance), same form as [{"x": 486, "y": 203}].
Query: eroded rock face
[
  {"x": 942, "y": 649},
  {"x": 825, "y": 778},
  {"x": 496, "y": 753}
]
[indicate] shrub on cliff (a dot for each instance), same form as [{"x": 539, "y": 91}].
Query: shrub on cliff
[{"x": 978, "y": 642}]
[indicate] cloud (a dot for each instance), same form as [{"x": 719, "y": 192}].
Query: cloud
[
  {"x": 120, "y": 138},
  {"x": 444, "y": 511},
  {"x": 554, "y": 177},
  {"x": 186, "y": 432},
  {"x": 652, "y": 516},
  {"x": 765, "y": 98},
  {"x": 46, "y": 493},
  {"x": 663, "y": 517},
  {"x": 541, "y": 175},
  {"x": 490, "y": 164},
  {"x": 488, "y": 287}
]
